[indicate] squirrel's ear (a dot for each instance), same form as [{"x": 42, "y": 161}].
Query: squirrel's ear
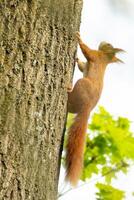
[
  {"x": 116, "y": 60},
  {"x": 118, "y": 50}
]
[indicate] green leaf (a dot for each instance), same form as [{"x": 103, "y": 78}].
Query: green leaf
[{"x": 107, "y": 192}]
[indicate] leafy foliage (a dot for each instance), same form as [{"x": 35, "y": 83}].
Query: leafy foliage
[
  {"x": 107, "y": 192},
  {"x": 109, "y": 150},
  {"x": 110, "y": 146}
]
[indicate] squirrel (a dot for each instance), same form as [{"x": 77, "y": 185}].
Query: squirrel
[{"x": 82, "y": 99}]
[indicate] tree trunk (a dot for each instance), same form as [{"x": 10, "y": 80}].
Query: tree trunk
[{"x": 36, "y": 63}]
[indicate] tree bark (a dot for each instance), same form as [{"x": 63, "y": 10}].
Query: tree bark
[{"x": 37, "y": 53}]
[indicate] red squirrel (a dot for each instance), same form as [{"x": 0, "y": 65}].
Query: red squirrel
[{"x": 82, "y": 99}]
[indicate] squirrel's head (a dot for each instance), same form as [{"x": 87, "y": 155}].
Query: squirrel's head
[{"x": 110, "y": 52}]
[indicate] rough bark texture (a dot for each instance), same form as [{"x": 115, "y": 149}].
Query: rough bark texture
[{"x": 36, "y": 63}]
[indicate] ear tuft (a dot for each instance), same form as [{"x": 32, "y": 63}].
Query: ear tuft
[{"x": 116, "y": 60}]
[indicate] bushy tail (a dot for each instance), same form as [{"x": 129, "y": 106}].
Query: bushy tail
[{"x": 75, "y": 147}]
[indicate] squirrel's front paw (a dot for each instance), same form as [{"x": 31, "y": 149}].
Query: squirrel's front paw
[
  {"x": 78, "y": 35},
  {"x": 76, "y": 59}
]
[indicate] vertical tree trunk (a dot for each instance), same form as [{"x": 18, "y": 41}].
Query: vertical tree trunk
[{"x": 36, "y": 62}]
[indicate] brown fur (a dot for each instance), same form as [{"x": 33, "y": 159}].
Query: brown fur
[{"x": 75, "y": 147}]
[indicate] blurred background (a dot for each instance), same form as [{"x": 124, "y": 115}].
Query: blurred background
[{"x": 111, "y": 21}]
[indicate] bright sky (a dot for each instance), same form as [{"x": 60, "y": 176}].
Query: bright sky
[{"x": 100, "y": 22}]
